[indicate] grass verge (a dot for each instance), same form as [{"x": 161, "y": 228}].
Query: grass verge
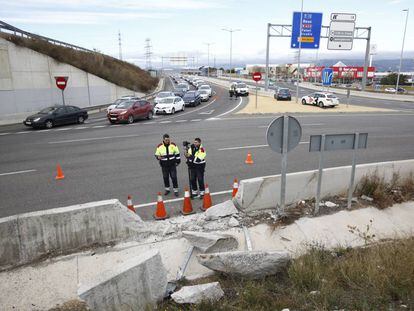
[
  {"x": 379, "y": 277},
  {"x": 108, "y": 68}
]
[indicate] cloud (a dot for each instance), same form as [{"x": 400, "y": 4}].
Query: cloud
[
  {"x": 394, "y": 2},
  {"x": 78, "y": 18}
]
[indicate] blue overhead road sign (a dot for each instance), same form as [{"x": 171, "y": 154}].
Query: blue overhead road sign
[
  {"x": 327, "y": 75},
  {"x": 311, "y": 30}
]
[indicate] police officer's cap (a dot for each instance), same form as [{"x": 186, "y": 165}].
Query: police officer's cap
[{"x": 165, "y": 136}]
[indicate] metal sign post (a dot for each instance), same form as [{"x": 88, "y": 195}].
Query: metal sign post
[
  {"x": 348, "y": 94},
  {"x": 334, "y": 142},
  {"x": 257, "y": 76},
  {"x": 283, "y": 134}
]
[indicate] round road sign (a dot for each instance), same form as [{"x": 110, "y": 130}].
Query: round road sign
[
  {"x": 274, "y": 134},
  {"x": 257, "y": 76},
  {"x": 61, "y": 82}
]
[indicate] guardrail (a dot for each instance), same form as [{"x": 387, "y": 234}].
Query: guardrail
[{"x": 7, "y": 28}]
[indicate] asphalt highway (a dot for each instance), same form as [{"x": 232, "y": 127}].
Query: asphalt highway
[{"x": 102, "y": 161}]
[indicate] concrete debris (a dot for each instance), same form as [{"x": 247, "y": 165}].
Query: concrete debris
[
  {"x": 233, "y": 222},
  {"x": 224, "y": 209},
  {"x": 285, "y": 309},
  {"x": 138, "y": 282},
  {"x": 198, "y": 293},
  {"x": 251, "y": 264},
  {"x": 330, "y": 204},
  {"x": 314, "y": 292},
  {"x": 367, "y": 198},
  {"x": 170, "y": 229},
  {"x": 211, "y": 242}
]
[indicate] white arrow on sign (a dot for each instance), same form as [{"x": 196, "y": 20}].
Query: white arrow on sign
[{"x": 207, "y": 112}]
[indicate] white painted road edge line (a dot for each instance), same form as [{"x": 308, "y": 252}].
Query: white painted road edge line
[
  {"x": 251, "y": 147},
  {"x": 179, "y": 199},
  {"x": 17, "y": 172},
  {"x": 2, "y": 134},
  {"x": 231, "y": 110},
  {"x": 89, "y": 139}
]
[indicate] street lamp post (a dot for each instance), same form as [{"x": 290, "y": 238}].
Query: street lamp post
[
  {"x": 208, "y": 57},
  {"x": 231, "y": 30},
  {"x": 402, "y": 51},
  {"x": 300, "y": 48}
]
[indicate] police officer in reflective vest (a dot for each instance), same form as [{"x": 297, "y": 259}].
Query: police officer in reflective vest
[
  {"x": 196, "y": 160},
  {"x": 168, "y": 154}
]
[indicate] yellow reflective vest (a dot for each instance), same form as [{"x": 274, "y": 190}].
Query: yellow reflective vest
[
  {"x": 170, "y": 154},
  {"x": 199, "y": 156}
]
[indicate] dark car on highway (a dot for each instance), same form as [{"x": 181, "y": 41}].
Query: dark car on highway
[
  {"x": 131, "y": 110},
  {"x": 179, "y": 92},
  {"x": 283, "y": 93},
  {"x": 56, "y": 115},
  {"x": 192, "y": 98}
]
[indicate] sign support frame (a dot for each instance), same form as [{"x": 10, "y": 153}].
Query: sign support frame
[
  {"x": 351, "y": 182},
  {"x": 284, "y": 165},
  {"x": 320, "y": 174}
]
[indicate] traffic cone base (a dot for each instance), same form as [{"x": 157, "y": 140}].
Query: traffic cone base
[
  {"x": 130, "y": 205},
  {"x": 249, "y": 159},
  {"x": 160, "y": 212},
  {"x": 187, "y": 206},
  {"x": 59, "y": 174},
  {"x": 206, "y": 199}
]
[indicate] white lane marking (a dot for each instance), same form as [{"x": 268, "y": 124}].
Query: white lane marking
[
  {"x": 90, "y": 139},
  {"x": 180, "y": 199},
  {"x": 163, "y": 122},
  {"x": 81, "y": 127},
  {"x": 98, "y": 126},
  {"x": 43, "y": 131},
  {"x": 25, "y": 132},
  {"x": 231, "y": 110},
  {"x": 180, "y": 121},
  {"x": 252, "y": 147},
  {"x": 310, "y": 124},
  {"x": 17, "y": 172},
  {"x": 149, "y": 123},
  {"x": 195, "y": 120},
  {"x": 207, "y": 112},
  {"x": 2, "y": 134},
  {"x": 192, "y": 110},
  {"x": 115, "y": 125},
  {"x": 64, "y": 129},
  {"x": 101, "y": 119}
]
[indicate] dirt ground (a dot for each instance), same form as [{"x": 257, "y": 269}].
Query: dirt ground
[{"x": 270, "y": 105}]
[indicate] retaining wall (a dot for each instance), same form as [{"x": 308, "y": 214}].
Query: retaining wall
[
  {"x": 27, "y": 237},
  {"x": 264, "y": 192}
]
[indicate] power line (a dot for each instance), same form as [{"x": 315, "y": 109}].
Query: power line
[
  {"x": 120, "y": 44},
  {"x": 148, "y": 54}
]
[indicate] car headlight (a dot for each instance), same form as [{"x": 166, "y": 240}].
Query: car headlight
[
  {"x": 35, "y": 120},
  {"x": 124, "y": 112}
]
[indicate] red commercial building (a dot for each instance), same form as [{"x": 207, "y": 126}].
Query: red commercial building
[{"x": 342, "y": 73}]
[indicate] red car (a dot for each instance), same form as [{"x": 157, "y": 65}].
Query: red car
[{"x": 131, "y": 110}]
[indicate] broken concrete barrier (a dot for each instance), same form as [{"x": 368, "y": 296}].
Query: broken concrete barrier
[
  {"x": 255, "y": 264},
  {"x": 198, "y": 293},
  {"x": 211, "y": 242},
  {"x": 135, "y": 284},
  {"x": 30, "y": 236},
  {"x": 224, "y": 209}
]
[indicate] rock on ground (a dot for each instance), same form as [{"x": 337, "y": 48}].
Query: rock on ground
[
  {"x": 211, "y": 242},
  {"x": 233, "y": 222},
  {"x": 198, "y": 293},
  {"x": 250, "y": 264},
  {"x": 224, "y": 209}
]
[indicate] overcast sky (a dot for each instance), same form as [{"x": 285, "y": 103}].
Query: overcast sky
[{"x": 183, "y": 27}]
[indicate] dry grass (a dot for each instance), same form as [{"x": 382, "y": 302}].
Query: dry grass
[
  {"x": 380, "y": 277},
  {"x": 106, "y": 67},
  {"x": 384, "y": 193}
]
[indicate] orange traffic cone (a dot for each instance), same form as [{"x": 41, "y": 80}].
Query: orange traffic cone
[
  {"x": 59, "y": 173},
  {"x": 130, "y": 205},
  {"x": 235, "y": 187},
  {"x": 249, "y": 159},
  {"x": 160, "y": 212},
  {"x": 206, "y": 199},
  {"x": 187, "y": 206}
]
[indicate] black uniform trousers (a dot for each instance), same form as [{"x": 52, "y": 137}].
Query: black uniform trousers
[
  {"x": 197, "y": 177},
  {"x": 167, "y": 172}
]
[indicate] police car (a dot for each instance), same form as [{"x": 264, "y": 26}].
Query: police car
[{"x": 321, "y": 99}]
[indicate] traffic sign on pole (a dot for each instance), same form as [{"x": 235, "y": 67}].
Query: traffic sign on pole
[
  {"x": 311, "y": 30},
  {"x": 257, "y": 76},
  {"x": 327, "y": 75},
  {"x": 341, "y": 31},
  {"x": 61, "y": 83}
]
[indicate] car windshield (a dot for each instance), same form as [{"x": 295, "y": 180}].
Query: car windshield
[
  {"x": 125, "y": 105},
  {"x": 331, "y": 96},
  {"x": 118, "y": 101},
  {"x": 163, "y": 94},
  {"x": 167, "y": 101},
  {"x": 48, "y": 110},
  {"x": 182, "y": 85},
  {"x": 204, "y": 87},
  {"x": 242, "y": 85},
  {"x": 203, "y": 92},
  {"x": 189, "y": 94},
  {"x": 284, "y": 91}
]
